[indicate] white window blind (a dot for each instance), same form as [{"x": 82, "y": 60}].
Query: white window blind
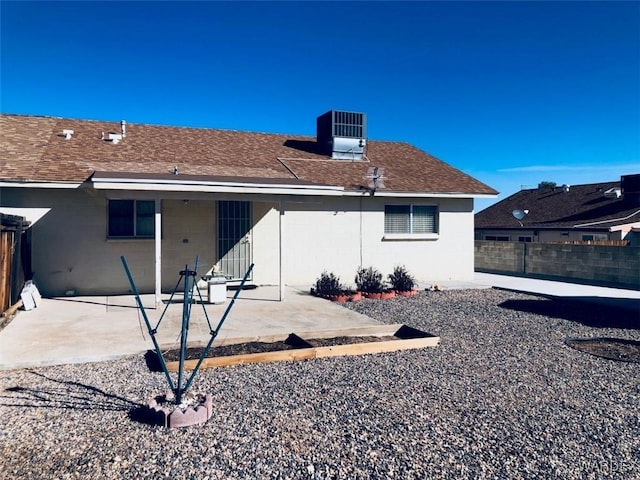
[{"x": 403, "y": 219}]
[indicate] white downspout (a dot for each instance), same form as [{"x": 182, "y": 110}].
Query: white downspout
[
  {"x": 281, "y": 250},
  {"x": 158, "y": 249}
]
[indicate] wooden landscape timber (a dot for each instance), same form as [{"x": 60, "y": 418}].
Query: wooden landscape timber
[
  {"x": 12, "y": 309},
  {"x": 392, "y": 338}
]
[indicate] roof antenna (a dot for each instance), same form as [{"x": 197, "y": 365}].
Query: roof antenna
[
  {"x": 519, "y": 215},
  {"x": 375, "y": 179}
]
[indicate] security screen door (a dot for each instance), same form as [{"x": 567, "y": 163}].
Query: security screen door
[{"x": 234, "y": 238}]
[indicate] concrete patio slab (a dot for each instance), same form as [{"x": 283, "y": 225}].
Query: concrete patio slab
[{"x": 88, "y": 329}]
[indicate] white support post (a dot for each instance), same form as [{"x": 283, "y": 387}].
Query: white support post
[
  {"x": 158, "y": 250},
  {"x": 281, "y": 249}
]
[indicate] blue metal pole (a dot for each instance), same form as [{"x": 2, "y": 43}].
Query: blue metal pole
[
  {"x": 152, "y": 332},
  {"x": 214, "y": 334},
  {"x": 185, "y": 327}
]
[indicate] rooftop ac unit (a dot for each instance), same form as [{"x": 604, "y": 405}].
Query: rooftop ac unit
[{"x": 342, "y": 134}]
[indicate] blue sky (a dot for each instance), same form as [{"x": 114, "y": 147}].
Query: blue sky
[{"x": 512, "y": 93}]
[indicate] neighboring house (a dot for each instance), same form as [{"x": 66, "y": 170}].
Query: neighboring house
[
  {"x": 293, "y": 205},
  {"x": 577, "y": 213}
]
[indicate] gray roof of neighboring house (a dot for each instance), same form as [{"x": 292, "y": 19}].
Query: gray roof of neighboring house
[
  {"x": 33, "y": 148},
  {"x": 582, "y": 206}
]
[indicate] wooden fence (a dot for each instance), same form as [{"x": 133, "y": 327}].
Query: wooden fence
[
  {"x": 6, "y": 259},
  {"x": 610, "y": 243},
  {"x": 12, "y": 275}
]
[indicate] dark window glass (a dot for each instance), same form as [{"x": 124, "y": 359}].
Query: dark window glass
[{"x": 131, "y": 218}]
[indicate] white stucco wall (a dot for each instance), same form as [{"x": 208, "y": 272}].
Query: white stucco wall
[
  {"x": 188, "y": 230},
  {"x": 71, "y": 251},
  {"x": 336, "y": 236},
  {"x": 265, "y": 243}
]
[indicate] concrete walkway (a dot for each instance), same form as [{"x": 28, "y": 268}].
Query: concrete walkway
[
  {"x": 553, "y": 288},
  {"x": 617, "y": 298}
]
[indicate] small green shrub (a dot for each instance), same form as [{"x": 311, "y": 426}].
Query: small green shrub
[
  {"x": 328, "y": 284},
  {"x": 401, "y": 280},
  {"x": 369, "y": 280}
]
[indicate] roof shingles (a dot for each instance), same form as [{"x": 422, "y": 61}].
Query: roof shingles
[
  {"x": 555, "y": 208},
  {"x": 34, "y": 149}
]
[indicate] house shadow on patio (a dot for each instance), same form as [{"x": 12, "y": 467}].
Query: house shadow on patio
[{"x": 595, "y": 312}]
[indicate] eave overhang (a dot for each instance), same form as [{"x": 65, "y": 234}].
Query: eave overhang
[
  {"x": 18, "y": 184},
  {"x": 210, "y": 184},
  {"x": 227, "y": 184},
  {"x": 392, "y": 194}
]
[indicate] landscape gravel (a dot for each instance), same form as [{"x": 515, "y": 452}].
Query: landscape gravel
[{"x": 502, "y": 396}]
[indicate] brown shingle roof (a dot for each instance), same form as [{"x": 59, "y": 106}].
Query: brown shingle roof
[
  {"x": 554, "y": 208},
  {"x": 23, "y": 141},
  {"x": 34, "y": 149}
]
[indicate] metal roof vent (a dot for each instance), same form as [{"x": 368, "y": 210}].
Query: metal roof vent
[
  {"x": 111, "y": 137},
  {"x": 614, "y": 192},
  {"x": 342, "y": 134},
  {"x": 66, "y": 133},
  {"x": 115, "y": 138}
]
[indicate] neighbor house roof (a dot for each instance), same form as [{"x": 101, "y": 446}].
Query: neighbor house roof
[
  {"x": 578, "y": 206},
  {"x": 34, "y": 149}
]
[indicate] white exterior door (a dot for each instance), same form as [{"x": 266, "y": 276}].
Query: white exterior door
[{"x": 234, "y": 238}]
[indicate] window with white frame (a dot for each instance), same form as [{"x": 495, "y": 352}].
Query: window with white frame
[
  {"x": 410, "y": 219},
  {"x": 131, "y": 219}
]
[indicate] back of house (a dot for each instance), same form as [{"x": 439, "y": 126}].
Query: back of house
[{"x": 292, "y": 205}]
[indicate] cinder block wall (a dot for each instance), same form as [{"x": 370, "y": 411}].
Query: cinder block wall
[
  {"x": 507, "y": 257},
  {"x": 597, "y": 264}
]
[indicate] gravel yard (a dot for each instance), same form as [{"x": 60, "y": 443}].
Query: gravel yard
[{"x": 501, "y": 397}]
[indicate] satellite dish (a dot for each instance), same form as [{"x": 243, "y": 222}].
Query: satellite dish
[
  {"x": 519, "y": 215},
  {"x": 375, "y": 178}
]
